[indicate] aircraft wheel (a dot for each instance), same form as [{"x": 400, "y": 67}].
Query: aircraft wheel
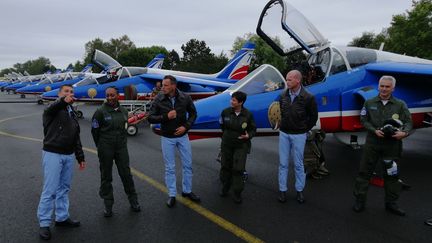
[
  {"x": 40, "y": 102},
  {"x": 132, "y": 130},
  {"x": 79, "y": 114},
  {"x": 22, "y": 96}
]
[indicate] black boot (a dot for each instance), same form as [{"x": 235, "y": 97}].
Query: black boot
[
  {"x": 68, "y": 223},
  {"x": 171, "y": 202},
  {"x": 394, "y": 209},
  {"x": 300, "y": 198},
  {"x": 358, "y": 206},
  {"x": 108, "y": 209},
  {"x": 135, "y": 206},
  {"x": 45, "y": 233},
  {"x": 237, "y": 198},
  {"x": 108, "y": 213},
  {"x": 282, "y": 197}
]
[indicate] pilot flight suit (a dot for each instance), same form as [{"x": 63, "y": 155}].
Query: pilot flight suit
[
  {"x": 233, "y": 149},
  {"x": 386, "y": 150},
  {"x": 109, "y": 134}
]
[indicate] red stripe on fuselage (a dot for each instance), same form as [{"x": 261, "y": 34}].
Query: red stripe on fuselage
[{"x": 353, "y": 124}]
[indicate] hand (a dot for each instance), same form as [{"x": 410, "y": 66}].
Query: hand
[
  {"x": 172, "y": 114},
  {"x": 244, "y": 136},
  {"x": 82, "y": 165},
  {"x": 399, "y": 135},
  {"x": 379, "y": 133},
  {"x": 180, "y": 130},
  {"x": 69, "y": 99}
]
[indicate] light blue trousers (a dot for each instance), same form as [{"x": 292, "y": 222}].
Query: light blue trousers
[
  {"x": 57, "y": 170},
  {"x": 291, "y": 144},
  {"x": 169, "y": 146}
]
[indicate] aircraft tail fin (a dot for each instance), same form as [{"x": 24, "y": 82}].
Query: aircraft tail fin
[
  {"x": 238, "y": 66},
  {"x": 157, "y": 62}
]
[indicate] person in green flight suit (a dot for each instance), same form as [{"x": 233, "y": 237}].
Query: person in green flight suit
[
  {"x": 387, "y": 121},
  {"x": 238, "y": 128},
  {"x": 109, "y": 124}
]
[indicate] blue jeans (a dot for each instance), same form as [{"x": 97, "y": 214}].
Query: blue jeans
[
  {"x": 291, "y": 144},
  {"x": 168, "y": 150},
  {"x": 57, "y": 170}
]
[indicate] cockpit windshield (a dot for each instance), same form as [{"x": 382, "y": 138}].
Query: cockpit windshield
[
  {"x": 104, "y": 61},
  {"x": 286, "y": 30},
  {"x": 86, "y": 81},
  {"x": 359, "y": 56},
  {"x": 265, "y": 78},
  {"x": 127, "y": 72},
  {"x": 45, "y": 81}
]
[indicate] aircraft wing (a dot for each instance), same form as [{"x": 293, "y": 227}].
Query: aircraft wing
[
  {"x": 218, "y": 86},
  {"x": 400, "y": 68}
]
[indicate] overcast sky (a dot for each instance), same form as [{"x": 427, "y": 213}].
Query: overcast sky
[{"x": 58, "y": 29}]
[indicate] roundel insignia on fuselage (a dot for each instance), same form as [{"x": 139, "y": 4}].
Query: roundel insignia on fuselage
[
  {"x": 47, "y": 88},
  {"x": 274, "y": 114},
  {"x": 92, "y": 92}
]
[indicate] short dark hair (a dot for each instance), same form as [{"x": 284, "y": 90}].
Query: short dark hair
[
  {"x": 112, "y": 87},
  {"x": 171, "y": 78},
  {"x": 240, "y": 96},
  {"x": 65, "y": 85}
]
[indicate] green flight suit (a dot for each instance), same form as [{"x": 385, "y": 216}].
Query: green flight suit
[
  {"x": 234, "y": 151},
  {"x": 110, "y": 136},
  {"x": 376, "y": 149}
]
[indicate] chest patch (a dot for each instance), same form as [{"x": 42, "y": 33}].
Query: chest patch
[
  {"x": 363, "y": 111},
  {"x": 244, "y": 125}
]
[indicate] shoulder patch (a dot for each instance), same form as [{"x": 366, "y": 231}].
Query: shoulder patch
[
  {"x": 95, "y": 123},
  {"x": 363, "y": 111}
]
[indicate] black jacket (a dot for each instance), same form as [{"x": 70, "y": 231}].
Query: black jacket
[
  {"x": 61, "y": 130},
  {"x": 184, "y": 106},
  {"x": 299, "y": 116}
]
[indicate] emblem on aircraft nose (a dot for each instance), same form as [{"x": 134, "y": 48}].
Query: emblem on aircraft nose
[
  {"x": 92, "y": 92},
  {"x": 47, "y": 88},
  {"x": 274, "y": 114}
]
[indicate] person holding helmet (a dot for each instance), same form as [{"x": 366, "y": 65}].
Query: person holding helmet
[{"x": 388, "y": 121}]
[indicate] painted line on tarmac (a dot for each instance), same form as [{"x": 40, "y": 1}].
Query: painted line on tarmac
[{"x": 221, "y": 222}]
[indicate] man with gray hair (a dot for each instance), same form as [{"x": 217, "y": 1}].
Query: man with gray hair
[
  {"x": 387, "y": 121},
  {"x": 299, "y": 114}
]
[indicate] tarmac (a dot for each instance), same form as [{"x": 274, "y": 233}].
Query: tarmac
[{"x": 325, "y": 217}]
